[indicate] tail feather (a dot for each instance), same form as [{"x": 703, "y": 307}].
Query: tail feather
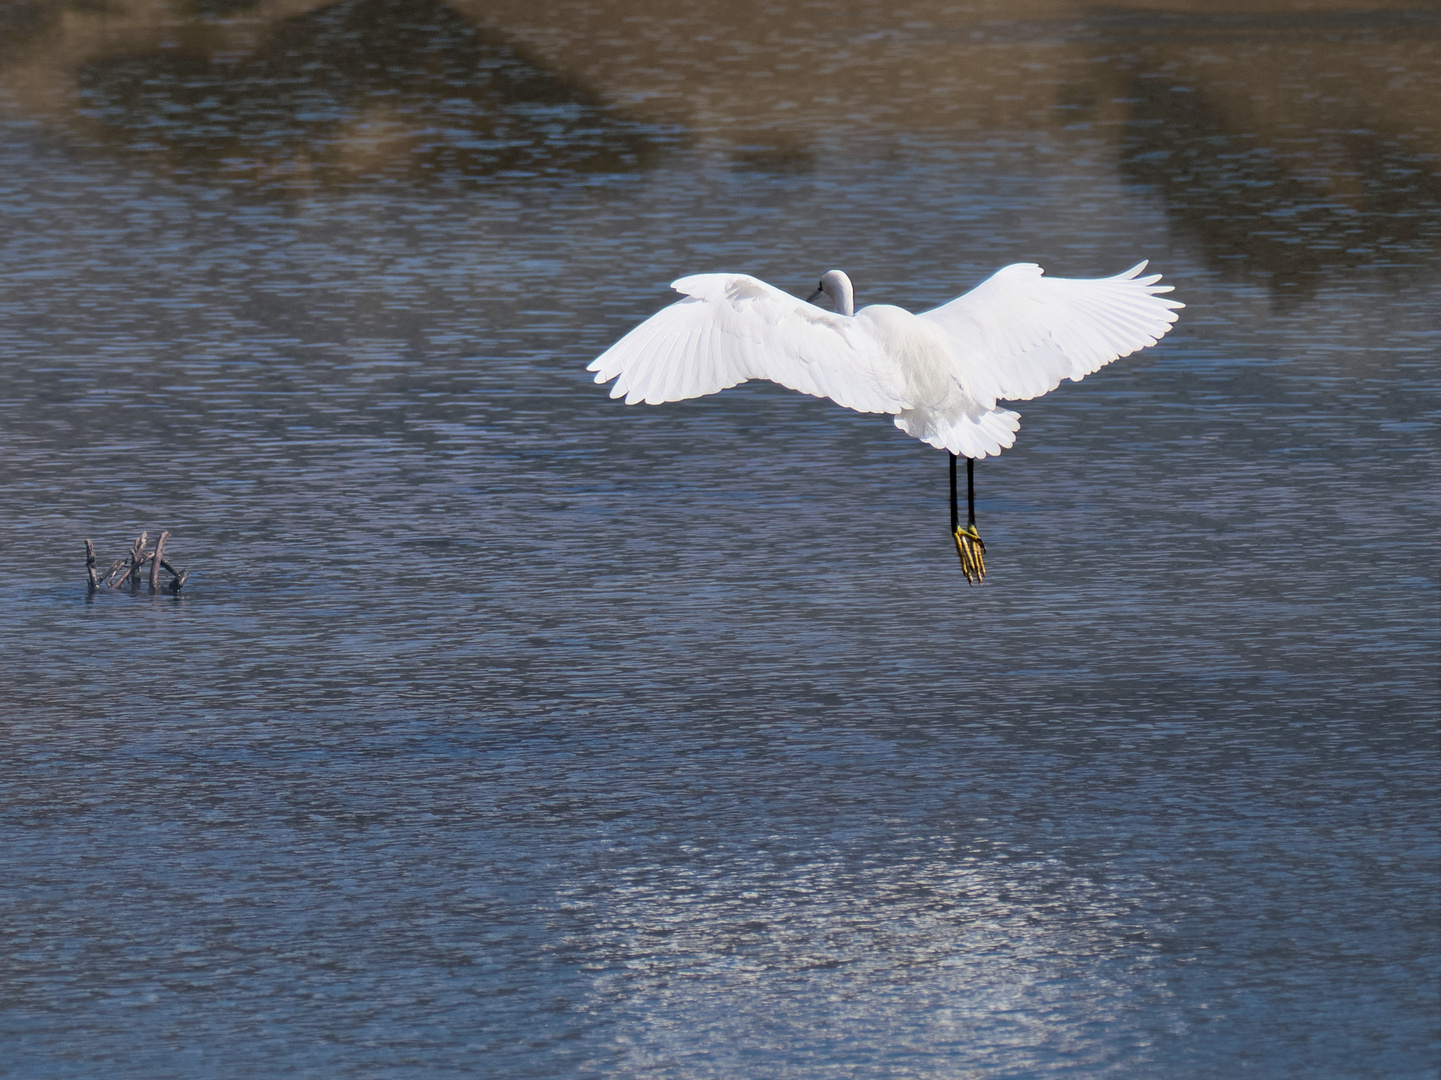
[{"x": 972, "y": 435}]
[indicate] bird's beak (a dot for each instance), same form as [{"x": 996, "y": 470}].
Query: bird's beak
[{"x": 811, "y": 299}]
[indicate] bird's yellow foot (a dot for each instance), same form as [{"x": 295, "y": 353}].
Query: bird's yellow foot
[{"x": 972, "y": 550}]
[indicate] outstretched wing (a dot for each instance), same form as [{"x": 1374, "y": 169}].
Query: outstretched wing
[
  {"x": 733, "y": 327},
  {"x": 1018, "y": 334}
]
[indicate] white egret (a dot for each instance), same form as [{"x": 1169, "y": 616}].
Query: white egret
[{"x": 941, "y": 373}]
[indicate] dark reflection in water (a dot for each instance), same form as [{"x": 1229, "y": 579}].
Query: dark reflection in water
[
  {"x": 359, "y": 89},
  {"x": 1253, "y": 211},
  {"x": 218, "y": 9},
  {"x": 19, "y": 23}
]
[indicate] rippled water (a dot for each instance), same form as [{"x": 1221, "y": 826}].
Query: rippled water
[{"x": 502, "y": 729}]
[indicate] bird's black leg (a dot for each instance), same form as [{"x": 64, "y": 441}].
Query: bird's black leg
[
  {"x": 955, "y": 510},
  {"x": 971, "y": 493},
  {"x": 969, "y": 545}
]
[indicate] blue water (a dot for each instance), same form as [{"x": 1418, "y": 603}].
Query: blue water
[{"x": 504, "y": 730}]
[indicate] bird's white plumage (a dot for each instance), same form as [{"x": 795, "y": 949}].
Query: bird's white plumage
[
  {"x": 733, "y": 327},
  {"x": 1020, "y": 333},
  {"x": 941, "y": 373}
]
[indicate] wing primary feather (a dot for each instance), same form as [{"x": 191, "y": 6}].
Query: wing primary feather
[{"x": 640, "y": 371}]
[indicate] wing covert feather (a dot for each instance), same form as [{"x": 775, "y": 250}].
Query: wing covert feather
[
  {"x": 734, "y": 327},
  {"x": 1019, "y": 334}
]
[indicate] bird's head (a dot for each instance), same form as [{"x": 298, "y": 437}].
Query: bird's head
[{"x": 837, "y": 286}]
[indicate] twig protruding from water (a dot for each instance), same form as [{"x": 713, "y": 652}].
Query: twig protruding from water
[{"x": 129, "y": 568}]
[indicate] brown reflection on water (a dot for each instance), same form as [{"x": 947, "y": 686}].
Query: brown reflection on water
[
  {"x": 341, "y": 92},
  {"x": 1291, "y": 146},
  {"x": 1287, "y": 138}
]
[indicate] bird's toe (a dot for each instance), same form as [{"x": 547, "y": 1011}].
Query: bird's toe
[{"x": 972, "y": 551}]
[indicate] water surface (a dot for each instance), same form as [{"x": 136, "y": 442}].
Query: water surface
[{"x": 502, "y": 729}]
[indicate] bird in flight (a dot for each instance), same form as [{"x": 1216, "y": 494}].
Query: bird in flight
[{"x": 941, "y": 373}]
